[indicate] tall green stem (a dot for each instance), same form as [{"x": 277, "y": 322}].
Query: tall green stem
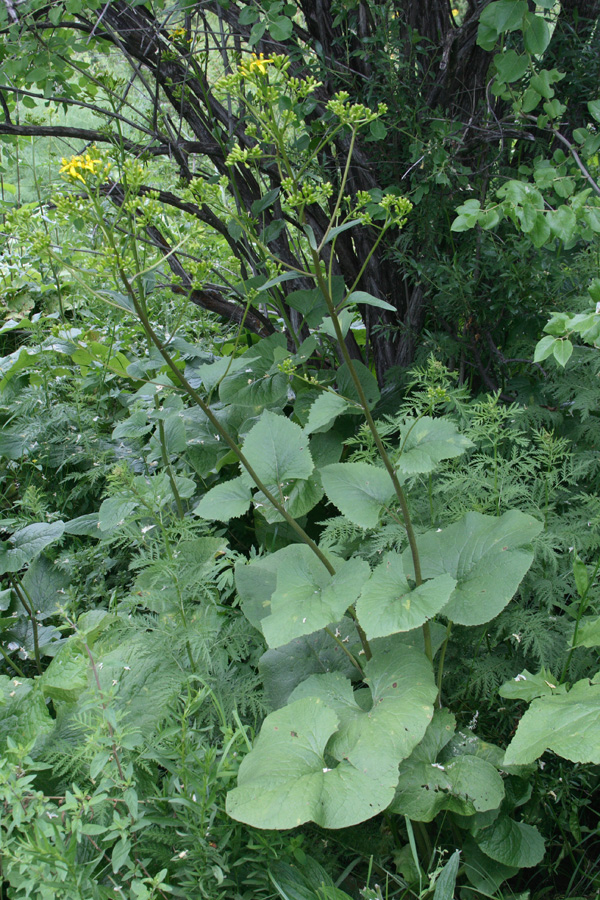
[
  {"x": 580, "y": 611},
  {"x": 195, "y": 396},
  {"x": 27, "y": 604},
  {"x": 378, "y": 442}
]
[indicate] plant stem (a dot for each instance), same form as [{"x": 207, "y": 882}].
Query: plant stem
[
  {"x": 341, "y": 644},
  {"x": 27, "y": 604},
  {"x": 11, "y": 662},
  {"x": 195, "y": 396},
  {"x": 441, "y": 664},
  {"x": 580, "y": 611},
  {"x": 378, "y": 442}
]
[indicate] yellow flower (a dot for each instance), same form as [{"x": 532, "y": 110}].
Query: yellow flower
[
  {"x": 180, "y": 34},
  {"x": 255, "y": 64},
  {"x": 455, "y": 12},
  {"x": 77, "y": 164}
]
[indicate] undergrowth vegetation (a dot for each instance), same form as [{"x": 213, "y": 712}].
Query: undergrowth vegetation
[{"x": 273, "y": 623}]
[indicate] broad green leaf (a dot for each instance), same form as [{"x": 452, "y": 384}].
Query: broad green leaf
[
  {"x": 256, "y": 581},
  {"x": 345, "y": 319},
  {"x": 285, "y": 780},
  {"x": 511, "y": 843},
  {"x": 278, "y": 451},
  {"x": 311, "y": 303},
  {"x": 594, "y": 109},
  {"x": 300, "y": 496},
  {"x": 359, "y": 490},
  {"x": 281, "y": 28},
  {"x": 24, "y": 716},
  {"x": 580, "y": 572},
  {"x": 265, "y": 201},
  {"x": 526, "y": 686},
  {"x": 339, "y": 229},
  {"x": 257, "y": 382},
  {"x": 463, "y": 784},
  {"x": 510, "y": 66},
  {"x": 543, "y": 80},
  {"x": 387, "y": 603},
  {"x": 307, "y": 597},
  {"x": 544, "y": 348},
  {"x": 487, "y": 555},
  {"x": 87, "y": 525},
  {"x": 283, "y": 668},
  {"x": 485, "y": 874},
  {"x": 588, "y": 633},
  {"x": 225, "y": 501},
  {"x": 45, "y": 585},
  {"x": 24, "y": 545},
  {"x": 288, "y": 778},
  {"x": 324, "y": 411},
  {"x": 366, "y": 378},
  {"x": 536, "y": 34},
  {"x": 114, "y": 511},
  {"x": 562, "y": 351},
  {"x": 384, "y": 728},
  {"x": 568, "y": 724},
  {"x": 498, "y": 17},
  {"x": 425, "y": 442},
  {"x": 12, "y": 444},
  {"x": 67, "y": 675}
]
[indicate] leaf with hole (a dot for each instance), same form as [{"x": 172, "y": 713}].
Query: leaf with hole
[{"x": 326, "y": 759}]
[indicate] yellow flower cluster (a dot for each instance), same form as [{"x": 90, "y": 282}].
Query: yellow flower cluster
[
  {"x": 180, "y": 34},
  {"x": 77, "y": 164},
  {"x": 255, "y": 64}
]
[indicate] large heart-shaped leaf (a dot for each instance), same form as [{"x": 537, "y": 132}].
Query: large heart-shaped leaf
[
  {"x": 566, "y": 723},
  {"x": 385, "y": 727},
  {"x": 360, "y": 491},
  {"x": 426, "y": 441},
  {"x": 388, "y": 605},
  {"x": 488, "y": 557},
  {"x": 285, "y": 780},
  {"x": 325, "y": 758},
  {"x": 24, "y": 545},
  {"x": 307, "y": 597}
]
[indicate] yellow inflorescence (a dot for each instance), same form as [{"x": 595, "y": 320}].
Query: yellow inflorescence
[
  {"x": 77, "y": 164},
  {"x": 180, "y": 34},
  {"x": 255, "y": 64}
]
